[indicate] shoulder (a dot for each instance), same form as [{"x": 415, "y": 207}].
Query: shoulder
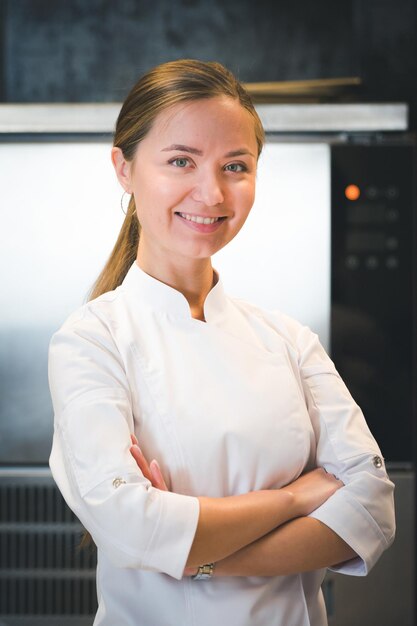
[
  {"x": 302, "y": 344},
  {"x": 89, "y": 334},
  {"x": 100, "y": 312},
  {"x": 93, "y": 326},
  {"x": 286, "y": 326},
  {"x": 85, "y": 356}
]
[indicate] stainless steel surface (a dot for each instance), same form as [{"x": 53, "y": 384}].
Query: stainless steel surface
[
  {"x": 101, "y": 117},
  {"x": 72, "y": 208},
  {"x": 58, "y": 118},
  {"x": 334, "y": 117},
  {"x": 28, "y": 473}
]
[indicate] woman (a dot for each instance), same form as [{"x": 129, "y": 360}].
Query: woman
[{"x": 267, "y": 471}]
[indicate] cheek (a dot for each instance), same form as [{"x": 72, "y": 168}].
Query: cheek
[
  {"x": 245, "y": 198},
  {"x": 153, "y": 202},
  {"x": 162, "y": 193}
]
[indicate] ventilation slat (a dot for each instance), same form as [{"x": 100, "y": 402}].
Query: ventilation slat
[{"x": 42, "y": 570}]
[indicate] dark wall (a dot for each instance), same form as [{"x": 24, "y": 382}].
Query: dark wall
[{"x": 93, "y": 50}]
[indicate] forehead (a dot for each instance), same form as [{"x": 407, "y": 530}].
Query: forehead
[{"x": 221, "y": 119}]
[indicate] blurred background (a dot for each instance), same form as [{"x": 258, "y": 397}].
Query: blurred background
[
  {"x": 77, "y": 51},
  {"x": 335, "y": 84}
]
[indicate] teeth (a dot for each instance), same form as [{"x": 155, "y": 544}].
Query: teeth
[{"x": 198, "y": 219}]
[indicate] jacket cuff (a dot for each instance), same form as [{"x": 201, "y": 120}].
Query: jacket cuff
[
  {"x": 174, "y": 534},
  {"x": 352, "y": 522}
]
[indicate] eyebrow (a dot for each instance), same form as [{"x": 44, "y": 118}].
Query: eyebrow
[{"x": 182, "y": 148}]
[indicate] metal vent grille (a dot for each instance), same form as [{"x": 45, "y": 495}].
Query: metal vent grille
[
  {"x": 33, "y": 595},
  {"x": 43, "y": 572},
  {"x": 32, "y": 502}
]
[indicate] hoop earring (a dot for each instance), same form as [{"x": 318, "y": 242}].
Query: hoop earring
[{"x": 121, "y": 202}]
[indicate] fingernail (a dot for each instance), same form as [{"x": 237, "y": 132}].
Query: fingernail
[{"x": 157, "y": 469}]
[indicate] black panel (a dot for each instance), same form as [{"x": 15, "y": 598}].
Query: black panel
[
  {"x": 373, "y": 316},
  {"x": 73, "y": 50}
]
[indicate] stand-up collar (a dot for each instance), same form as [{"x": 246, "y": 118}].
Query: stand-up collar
[{"x": 156, "y": 295}]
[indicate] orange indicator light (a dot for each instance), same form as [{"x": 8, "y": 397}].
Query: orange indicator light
[{"x": 352, "y": 192}]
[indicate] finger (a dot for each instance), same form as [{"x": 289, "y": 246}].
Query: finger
[
  {"x": 190, "y": 571},
  {"x": 137, "y": 454},
  {"x": 158, "y": 480},
  {"x": 142, "y": 463},
  {"x": 134, "y": 439}
]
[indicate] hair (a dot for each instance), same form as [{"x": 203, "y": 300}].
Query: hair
[{"x": 163, "y": 86}]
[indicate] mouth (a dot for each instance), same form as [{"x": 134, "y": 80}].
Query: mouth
[{"x": 200, "y": 219}]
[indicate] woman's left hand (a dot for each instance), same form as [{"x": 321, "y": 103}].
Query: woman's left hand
[
  {"x": 151, "y": 470},
  {"x": 153, "y": 473}
]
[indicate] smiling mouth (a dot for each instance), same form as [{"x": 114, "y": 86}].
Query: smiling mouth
[{"x": 198, "y": 219}]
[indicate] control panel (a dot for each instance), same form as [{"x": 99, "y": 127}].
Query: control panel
[{"x": 374, "y": 243}]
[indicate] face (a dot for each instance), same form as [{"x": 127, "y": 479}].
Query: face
[{"x": 193, "y": 179}]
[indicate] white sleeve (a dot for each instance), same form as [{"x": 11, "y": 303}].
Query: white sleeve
[
  {"x": 134, "y": 524},
  {"x": 361, "y": 512}
]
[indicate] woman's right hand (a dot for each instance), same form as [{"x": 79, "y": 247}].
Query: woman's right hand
[{"x": 312, "y": 489}]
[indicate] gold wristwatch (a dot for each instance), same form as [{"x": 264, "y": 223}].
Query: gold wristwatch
[{"x": 204, "y": 572}]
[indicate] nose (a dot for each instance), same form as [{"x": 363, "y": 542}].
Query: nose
[{"x": 209, "y": 189}]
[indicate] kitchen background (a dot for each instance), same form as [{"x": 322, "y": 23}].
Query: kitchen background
[{"x": 92, "y": 51}]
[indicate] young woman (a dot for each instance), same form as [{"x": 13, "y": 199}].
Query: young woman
[{"x": 267, "y": 471}]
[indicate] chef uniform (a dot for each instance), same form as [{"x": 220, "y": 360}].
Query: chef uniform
[{"x": 246, "y": 400}]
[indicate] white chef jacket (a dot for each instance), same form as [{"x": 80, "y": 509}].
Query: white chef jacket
[{"x": 248, "y": 400}]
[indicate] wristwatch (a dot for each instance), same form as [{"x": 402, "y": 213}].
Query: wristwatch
[{"x": 204, "y": 572}]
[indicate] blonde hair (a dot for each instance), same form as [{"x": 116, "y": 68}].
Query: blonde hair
[{"x": 162, "y": 87}]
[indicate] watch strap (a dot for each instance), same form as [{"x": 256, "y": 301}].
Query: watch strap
[{"x": 204, "y": 572}]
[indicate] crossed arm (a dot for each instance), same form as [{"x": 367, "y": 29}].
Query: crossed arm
[{"x": 262, "y": 533}]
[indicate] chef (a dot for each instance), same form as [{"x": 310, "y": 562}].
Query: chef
[{"x": 262, "y": 471}]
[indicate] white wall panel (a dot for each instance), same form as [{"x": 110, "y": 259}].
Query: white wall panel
[{"x": 60, "y": 215}]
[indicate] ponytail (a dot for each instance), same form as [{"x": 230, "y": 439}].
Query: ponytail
[{"x": 122, "y": 256}]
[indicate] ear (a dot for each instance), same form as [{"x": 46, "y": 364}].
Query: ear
[{"x": 122, "y": 168}]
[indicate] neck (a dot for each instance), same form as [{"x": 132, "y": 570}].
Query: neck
[{"x": 193, "y": 278}]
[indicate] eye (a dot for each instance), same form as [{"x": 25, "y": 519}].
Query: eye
[
  {"x": 180, "y": 162},
  {"x": 236, "y": 167}
]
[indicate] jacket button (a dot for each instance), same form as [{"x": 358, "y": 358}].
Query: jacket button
[
  {"x": 377, "y": 461},
  {"x": 117, "y": 482}
]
